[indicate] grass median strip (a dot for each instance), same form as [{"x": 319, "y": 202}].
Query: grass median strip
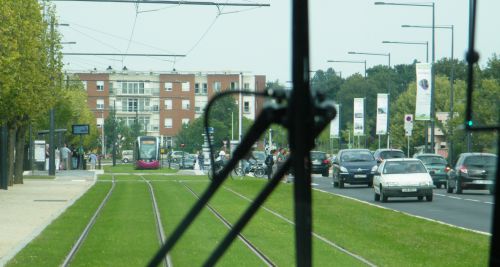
[
  {"x": 195, "y": 246},
  {"x": 55, "y": 241},
  {"x": 130, "y": 168},
  {"x": 124, "y": 233},
  {"x": 385, "y": 237},
  {"x": 272, "y": 235}
]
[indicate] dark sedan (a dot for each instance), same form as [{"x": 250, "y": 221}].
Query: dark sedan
[
  {"x": 438, "y": 164},
  {"x": 353, "y": 166},
  {"x": 473, "y": 171},
  {"x": 319, "y": 163}
]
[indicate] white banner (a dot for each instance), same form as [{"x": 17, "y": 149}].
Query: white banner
[
  {"x": 382, "y": 110},
  {"x": 334, "y": 124},
  {"x": 424, "y": 92},
  {"x": 359, "y": 116}
]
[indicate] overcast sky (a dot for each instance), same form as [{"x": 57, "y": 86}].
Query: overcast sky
[{"x": 257, "y": 40}]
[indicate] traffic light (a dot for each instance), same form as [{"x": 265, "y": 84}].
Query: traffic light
[{"x": 469, "y": 123}]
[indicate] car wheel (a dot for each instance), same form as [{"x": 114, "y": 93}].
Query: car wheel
[
  {"x": 492, "y": 190},
  {"x": 420, "y": 198},
  {"x": 376, "y": 197},
  {"x": 325, "y": 174},
  {"x": 445, "y": 186},
  {"x": 383, "y": 197},
  {"x": 428, "y": 198},
  {"x": 335, "y": 184},
  {"x": 341, "y": 184},
  {"x": 448, "y": 188},
  {"x": 458, "y": 187},
  {"x": 438, "y": 186},
  {"x": 370, "y": 184}
]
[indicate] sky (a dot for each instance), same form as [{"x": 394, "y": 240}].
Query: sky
[{"x": 258, "y": 40}]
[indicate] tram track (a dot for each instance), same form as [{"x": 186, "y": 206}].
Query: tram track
[
  {"x": 159, "y": 226},
  {"x": 226, "y": 223},
  {"x": 87, "y": 228}
]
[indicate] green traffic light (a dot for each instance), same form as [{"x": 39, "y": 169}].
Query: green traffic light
[{"x": 469, "y": 123}]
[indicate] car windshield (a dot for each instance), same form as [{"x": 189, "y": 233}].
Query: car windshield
[
  {"x": 399, "y": 167},
  {"x": 318, "y": 156},
  {"x": 481, "y": 161},
  {"x": 356, "y": 156},
  {"x": 259, "y": 155},
  {"x": 432, "y": 160},
  {"x": 392, "y": 155}
]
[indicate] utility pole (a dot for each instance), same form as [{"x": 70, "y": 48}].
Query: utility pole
[{"x": 52, "y": 165}]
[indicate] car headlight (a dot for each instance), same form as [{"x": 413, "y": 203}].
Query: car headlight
[
  {"x": 391, "y": 184},
  {"x": 425, "y": 183},
  {"x": 343, "y": 169},
  {"x": 374, "y": 168}
]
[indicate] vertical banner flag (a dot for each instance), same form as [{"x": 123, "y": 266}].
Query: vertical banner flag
[
  {"x": 334, "y": 124},
  {"x": 359, "y": 116},
  {"x": 382, "y": 109},
  {"x": 424, "y": 90}
]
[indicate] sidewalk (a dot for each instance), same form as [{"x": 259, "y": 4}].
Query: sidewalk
[{"x": 26, "y": 209}]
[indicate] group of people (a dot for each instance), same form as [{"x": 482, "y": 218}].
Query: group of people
[
  {"x": 275, "y": 160},
  {"x": 68, "y": 158}
]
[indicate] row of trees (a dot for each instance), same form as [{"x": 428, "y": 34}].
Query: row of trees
[{"x": 32, "y": 81}]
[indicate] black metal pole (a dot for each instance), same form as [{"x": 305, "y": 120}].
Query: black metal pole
[
  {"x": 452, "y": 92},
  {"x": 4, "y": 181},
  {"x": 301, "y": 118},
  {"x": 433, "y": 78}
]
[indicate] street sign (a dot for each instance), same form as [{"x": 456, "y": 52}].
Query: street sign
[{"x": 408, "y": 126}]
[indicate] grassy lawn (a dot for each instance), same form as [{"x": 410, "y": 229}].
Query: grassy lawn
[
  {"x": 202, "y": 236},
  {"x": 52, "y": 245},
  {"x": 385, "y": 237},
  {"x": 124, "y": 234},
  {"x": 129, "y": 168}
]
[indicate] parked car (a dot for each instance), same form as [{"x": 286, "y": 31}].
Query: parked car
[
  {"x": 438, "y": 164},
  {"x": 353, "y": 166},
  {"x": 176, "y": 156},
  {"x": 320, "y": 163},
  {"x": 127, "y": 155},
  {"x": 473, "y": 171},
  {"x": 188, "y": 162},
  {"x": 388, "y": 153},
  {"x": 402, "y": 177}
]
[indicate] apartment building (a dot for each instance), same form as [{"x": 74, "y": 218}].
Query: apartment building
[{"x": 163, "y": 102}]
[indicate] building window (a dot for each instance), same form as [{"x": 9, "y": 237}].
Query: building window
[
  {"x": 100, "y": 122},
  {"x": 155, "y": 104},
  {"x": 185, "y": 104},
  {"x": 133, "y": 88},
  {"x": 111, "y": 88},
  {"x": 205, "y": 88},
  {"x": 168, "y": 86},
  {"x": 132, "y": 105},
  {"x": 234, "y": 86},
  {"x": 185, "y": 121},
  {"x": 100, "y": 85},
  {"x": 217, "y": 87},
  {"x": 246, "y": 86},
  {"x": 168, "y": 123},
  {"x": 196, "y": 88},
  {"x": 246, "y": 107},
  {"x": 168, "y": 141},
  {"x": 185, "y": 86},
  {"x": 84, "y": 85},
  {"x": 168, "y": 103},
  {"x": 99, "y": 104}
]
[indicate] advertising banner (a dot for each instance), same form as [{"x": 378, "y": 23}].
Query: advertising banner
[
  {"x": 424, "y": 92},
  {"x": 382, "y": 110},
  {"x": 334, "y": 124},
  {"x": 359, "y": 116}
]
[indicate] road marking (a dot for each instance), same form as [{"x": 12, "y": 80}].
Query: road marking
[
  {"x": 487, "y": 202},
  {"x": 469, "y": 199},
  {"x": 455, "y": 197},
  {"x": 441, "y": 195},
  {"x": 412, "y": 215}
]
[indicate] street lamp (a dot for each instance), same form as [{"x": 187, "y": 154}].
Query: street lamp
[
  {"x": 349, "y": 61},
  {"x": 426, "y": 43},
  {"x": 388, "y": 55},
  {"x": 452, "y": 78},
  {"x": 431, "y": 5}
]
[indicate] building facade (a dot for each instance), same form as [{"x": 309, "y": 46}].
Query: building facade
[{"x": 163, "y": 102}]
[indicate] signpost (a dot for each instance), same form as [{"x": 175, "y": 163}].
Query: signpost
[{"x": 408, "y": 129}]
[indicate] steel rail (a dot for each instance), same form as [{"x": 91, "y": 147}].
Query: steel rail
[{"x": 86, "y": 231}]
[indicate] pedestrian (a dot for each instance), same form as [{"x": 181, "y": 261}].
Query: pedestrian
[
  {"x": 201, "y": 160},
  {"x": 269, "y": 164},
  {"x": 93, "y": 160},
  {"x": 65, "y": 156},
  {"x": 57, "y": 157},
  {"x": 282, "y": 155},
  {"x": 47, "y": 157}
]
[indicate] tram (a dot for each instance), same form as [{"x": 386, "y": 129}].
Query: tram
[{"x": 147, "y": 152}]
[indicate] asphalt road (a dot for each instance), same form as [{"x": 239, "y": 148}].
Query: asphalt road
[{"x": 473, "y": 209}]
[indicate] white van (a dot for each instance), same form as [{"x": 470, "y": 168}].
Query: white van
[{"x": 127, "y": 155}]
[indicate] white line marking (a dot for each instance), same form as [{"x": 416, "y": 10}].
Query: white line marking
[
  {"x": 412, "y": 215},
  {"x": 314, "y": 234},
  {"x": 487, "y": 202},
  {"x": 469, "y": 199},
  {"x": 455, "y": 197}
]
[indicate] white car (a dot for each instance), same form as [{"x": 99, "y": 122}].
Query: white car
[{"x": 402, "y": 178}]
